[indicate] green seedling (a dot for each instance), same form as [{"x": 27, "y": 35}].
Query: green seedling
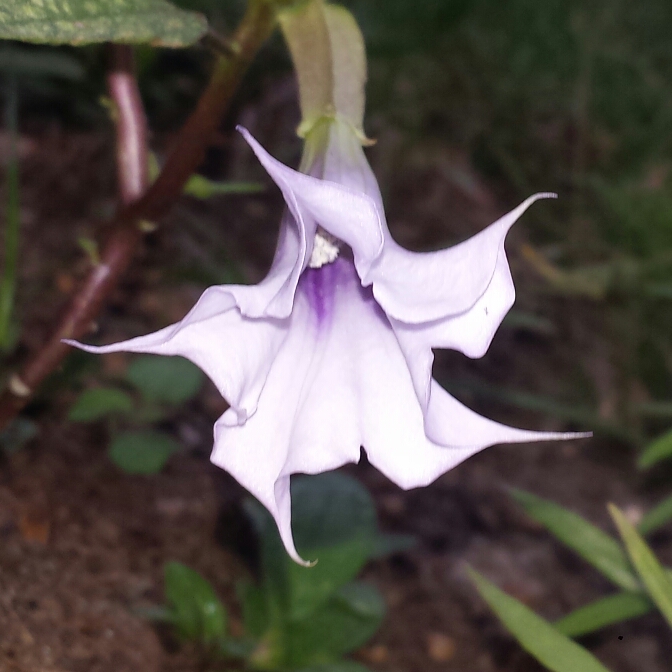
[
  {"x": 151, "y": 387},
  {"x": 294, "y": 617}
]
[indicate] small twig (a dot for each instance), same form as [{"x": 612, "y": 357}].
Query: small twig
[{"x": 125, "y": 230}]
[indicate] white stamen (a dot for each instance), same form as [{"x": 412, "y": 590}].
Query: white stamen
[{"x": 325, "y": 249}]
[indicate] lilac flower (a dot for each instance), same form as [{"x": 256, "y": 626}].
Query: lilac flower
[{"x": 332, "y": 351}]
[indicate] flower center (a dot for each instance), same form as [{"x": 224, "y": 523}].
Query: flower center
[{"x": 325, "y": 249}]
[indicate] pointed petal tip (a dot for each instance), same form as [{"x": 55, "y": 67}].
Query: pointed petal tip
[
  {"x": 510, "y": 218},
  {"x": 562, "y": 436},
  {"x": 250, "y": 140},
  {"x": 300, "y": 561},
  {"x": 288, "y": 542},
  {"x": 81, "y": 346}
]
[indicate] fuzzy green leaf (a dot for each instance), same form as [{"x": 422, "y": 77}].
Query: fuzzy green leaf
[
  {"x": 341, "y": 625},
  {"x": 195, "y": 609},
  {"x": 142, "y": 452},
  {"x": 334, "y": 522},
  {"x": 156, "y": 22},
  {"x": 99, "y": 402},
  {"x": 169, "y": 379}
]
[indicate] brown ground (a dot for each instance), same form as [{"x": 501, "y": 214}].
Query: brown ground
[{"x": 82, "y": 545}]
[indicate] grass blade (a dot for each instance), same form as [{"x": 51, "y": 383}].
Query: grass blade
[
  {"x": 656, "y": 580},
  {"x": 537, "y": 636},
  {"x": 659, "y": 449},
  {"x": 590, "y": 542},
  {"x": 657, "y": 517},
  {"x": 605, "y": 611}
]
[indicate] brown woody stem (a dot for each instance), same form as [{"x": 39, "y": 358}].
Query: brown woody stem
[{"x": 124, "y": 232}]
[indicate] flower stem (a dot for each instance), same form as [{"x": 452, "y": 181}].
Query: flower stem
[{"x": 125, "y": 231}]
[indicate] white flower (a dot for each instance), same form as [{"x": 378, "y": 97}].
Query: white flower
[{"x": 332, "y": 350}]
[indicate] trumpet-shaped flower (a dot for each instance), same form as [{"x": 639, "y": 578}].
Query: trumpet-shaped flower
[{"x": 332, "y": 351}]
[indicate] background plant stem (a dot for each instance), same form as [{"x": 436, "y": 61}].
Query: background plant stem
[
  {"x": 131, "y": 125},
  {"x": 124, "y": 232},
  {"x": 12, "y": 221}
]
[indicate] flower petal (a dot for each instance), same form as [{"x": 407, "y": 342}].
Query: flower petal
[
  {"x": 413, "y": 450},
  {"x": 470, "y": 332},
  {"x": 234, "y": 351},
  {"x": 450, "y": 423},
  {"x": 274, "y": 295},
  {"x": 340, "y": 381},
  {"x": 349, "y": 215},
  {"x": 422, "y": 287},
  {"x": 307, "y": 418}
]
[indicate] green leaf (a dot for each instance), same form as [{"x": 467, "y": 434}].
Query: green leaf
[
  {"x": 590, "y": 542},
  {"x": 173, "y": 380},
  {"x": 255, "y": 609},
  {"x": 657, "y": 517},
  {"x": 84, "y": 21},
  {"x": 195, "y": 609},
  {"x": 603, "y": 612},
  {"x": 656, "y": 580},
  {"x": 338, "y": 666},
  {"x": 203, "y": 188},
  {"x": 341, "y": 625},
  {"x": 334, "y": 522},
  {"x": 329, "y": 509},
  {"x": 309, "y": 587},
  {"x": 537, "y": 636},
  {"x": 94, "y": 404},
  {"x": 142, "y": 452},
  {"x": 274, "y": 569},
  {"x": 656, "y": 451}
]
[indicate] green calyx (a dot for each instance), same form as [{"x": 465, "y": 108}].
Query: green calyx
[{"x": 327, "y": 48}]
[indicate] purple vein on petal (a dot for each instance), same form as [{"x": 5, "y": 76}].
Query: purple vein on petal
[{"x": 320, "y": 286}]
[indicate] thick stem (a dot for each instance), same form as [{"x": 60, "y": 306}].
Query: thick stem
[{"x": 125, "y": 230}]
